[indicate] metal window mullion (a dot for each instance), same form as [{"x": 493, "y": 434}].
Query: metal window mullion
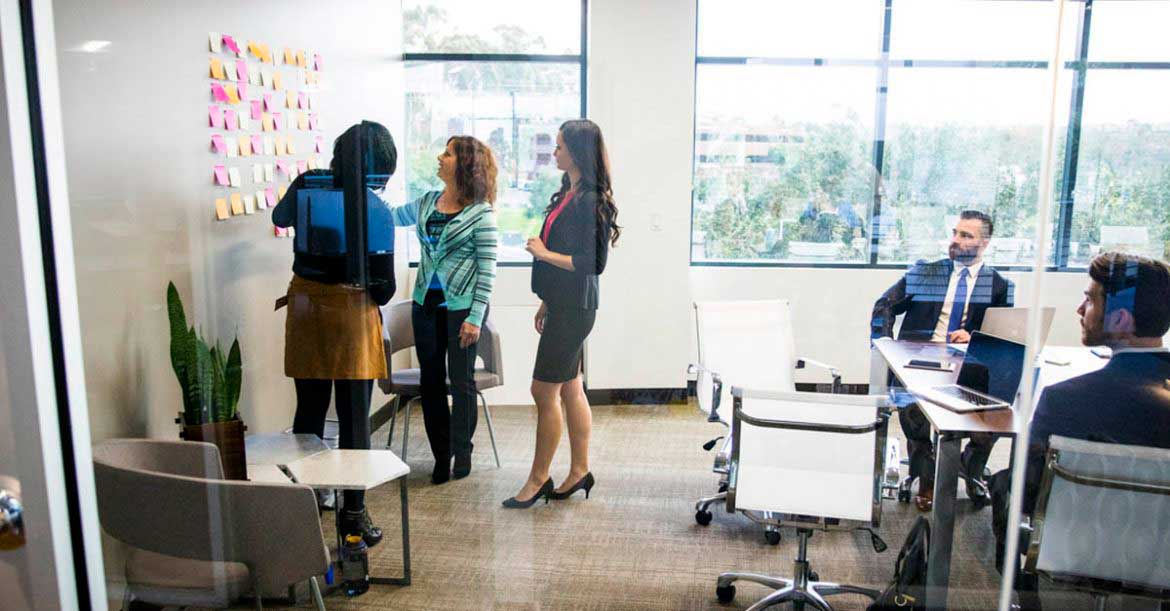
[
  {"x": 492, "y": 57},
  {"x": 1072, "y": 143},
  {"x": 879, "y": 134},
  {"x": 583, "y": 58}
]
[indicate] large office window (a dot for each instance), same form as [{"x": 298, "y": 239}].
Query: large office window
[
  {"x": 508, "y": 73},
  {"x": 870, "y": 124}
]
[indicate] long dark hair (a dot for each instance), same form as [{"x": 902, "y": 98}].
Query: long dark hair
[
  {"x": 475, "y": 170},
  {"x": 586, "y": 147},
  {"x": 381, "y": 154}
]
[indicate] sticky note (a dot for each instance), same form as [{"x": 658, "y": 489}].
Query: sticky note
[
  {"x": 303, "y": 100},
  {"x": 229, "y": 71},
  {"x": 268, "y": 103},
  {"x": 261, "y": 202},
  {"x": 221, "y": 209},
  {"x": 310, "y": 100},
  {"x": 282, "y": 165},
  {"x": 302, "y": 166},
  {"x": 216, "y": 69},
  {"x": 221, "y": 175},
  {"x": 313, "y": 121},
  {"x": 257, "y": 109},
  {"x": 218, "y": 92},
  {"x": 269, "y": 146},
  {"x": 278, "y": 121},
  {"x": 302, "y": 121},
  {"x": 270, "y": 197},
  {"x": 234, "y": 176},
  {"x": 231, "y": 120},
  {"x": 281, "y": 191},
  {"x": 320, "y": 145},
  {"x": 217, "y": 144},
  {"x": 249, "y": 204},
  {"x": 215, "y": 116},
  {"x": 301, "y": 59},
  {"x": 241, "y": 69},
  {"x": 290, "y": 232},
  {"x": 280, "y": 150},
  {"x": 276, "y": 82},
  {"x": 265, "y": 77},
  {"x": 230, "y": 43},
  {"x": 290, "y": 147},
  {"x": 245, "y": 122},
  {"x": 245, "y": 146},
  {"x": 258, "y": 173},
  {"x": 257, "y": 144},
  {"x": 237, "y": 204},
  {"x": 289, "y": 58},
  {"x": 269, "y": 172},
  {"x": 312, "y": 164},
  {"x": 233, "y": 147},
  {"x": 213, "y": 42},
  {"x": 233, "y": 95},
  {"x": 266, "y": 123},
  {"x": 290, "y": 99},
  {"x": 317, "y": 61},
  {"x": 254, "y": 74},
  {"x": 265, "y": 53},
  {"x": 242, "y": 87}
]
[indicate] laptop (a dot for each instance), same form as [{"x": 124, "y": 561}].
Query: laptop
[
  {"x": 988, "y": 378},
  {"x": 1012, "y": 323}
]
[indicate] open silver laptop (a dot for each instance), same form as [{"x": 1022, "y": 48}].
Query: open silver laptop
[
  {"x": 1012, "y": 323},
  {"x": 988, "y": 379}
]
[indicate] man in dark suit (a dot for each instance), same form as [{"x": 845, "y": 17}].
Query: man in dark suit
[
  {"x": 944, "y": 301},
  {"x": 1126, "y": 307}
]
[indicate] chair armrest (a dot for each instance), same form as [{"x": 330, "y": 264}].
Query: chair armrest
[
  {"x": 802, "y": 362},
  {"x": 841, "y": 429}
]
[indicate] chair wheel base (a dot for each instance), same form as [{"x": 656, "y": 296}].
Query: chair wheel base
[
  {"x": 903, "y": 496},
  {"x": 772, "y": 537},
  {"x": 725, "y": 594},
  {"x": 703, "y": 517}
]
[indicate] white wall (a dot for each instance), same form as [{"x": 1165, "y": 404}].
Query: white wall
[{"x": 139, "y": 177}]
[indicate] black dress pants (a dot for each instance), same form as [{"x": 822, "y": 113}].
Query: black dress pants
[
  {"x": 920, "y": 446},
  {"x": 436, "y": 339},
  {"x": 353, "y": 418}
]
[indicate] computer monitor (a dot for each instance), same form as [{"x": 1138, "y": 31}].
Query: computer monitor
[{"x": 993, "y": 366}]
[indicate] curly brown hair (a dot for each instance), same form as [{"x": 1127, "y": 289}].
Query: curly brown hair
[{"x": 475, "y": 170}]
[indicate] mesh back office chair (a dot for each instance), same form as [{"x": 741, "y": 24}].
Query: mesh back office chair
[
  {"x": 196, "y": 539},
  {"x": 1102, "y": 520},
  {"x": 749, "y": 344},
  {"x": 398, "y": 334},
  {"x": 816, "y": 462}
]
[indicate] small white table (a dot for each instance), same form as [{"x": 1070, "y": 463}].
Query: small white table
[
  {"x": 340, "y": 470},
  {"x": 267, "y": 474}
]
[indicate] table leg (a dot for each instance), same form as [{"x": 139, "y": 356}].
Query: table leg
[
  {"x": 879, "y": 373},
  {"x": 942, "y": 532},
  {"x": 405, "y": 579}
]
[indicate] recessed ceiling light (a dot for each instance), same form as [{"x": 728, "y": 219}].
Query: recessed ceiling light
[{"x": 93, "y": 46}]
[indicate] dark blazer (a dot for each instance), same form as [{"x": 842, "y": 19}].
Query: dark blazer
[
  {"x": 1124, "y": 402},
  {"x": 576, "y": 232},
  {"x": 920, "y": 295}
]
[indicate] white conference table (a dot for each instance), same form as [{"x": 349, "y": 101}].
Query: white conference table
[{"x": 890, "y": 356}]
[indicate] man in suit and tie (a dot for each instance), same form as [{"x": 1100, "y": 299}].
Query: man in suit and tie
[
  {"x": 944, "y": 301},
  {"x": 1126, "y": 307}
]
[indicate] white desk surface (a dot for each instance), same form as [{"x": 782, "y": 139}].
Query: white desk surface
[
  {"x": 281, "y": 448},
  {"x": 349, "y": 469},
  {"x": 267, "y": 474}
]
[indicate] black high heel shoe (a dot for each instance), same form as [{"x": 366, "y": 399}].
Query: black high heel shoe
[
  {"x": 585, "y": 483},
  {"x": 545, "y": 491}
]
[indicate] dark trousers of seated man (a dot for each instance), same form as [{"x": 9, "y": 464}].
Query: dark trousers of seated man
[
  {"x": 920, "y": 449},
  {"x": 353, "y": 418},
  {"x": 436, "y": 338},
  {"x": 1026, "y": 585}
]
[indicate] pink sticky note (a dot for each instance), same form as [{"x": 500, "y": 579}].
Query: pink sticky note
[
  {"x": 257, "y": 109},
  {"x": 215, "y": 116},
  {"x": 302, "y": 100},
  {"x": 320, "y": 144},
  {"x": 231, "y": 120},
  {"x": 302, "y": 166},
  {"x": 230, "y": 43},
  {"x": 218, "y": 144},
  {"x": 241, "y": 69},
  {"x": 270, "y": 196},
  {"x": 257, "y": 144},
  {"x": 219, "y": 93},
  {"x": 242, "y": 87},
  {"x": 312, "y": 121},
  {"x": 317, "y": 61},
  {"x": 221, "y": 176},
  {"x": 284, "y": 166},
  {"x": 278, "y": 118},
  {"x": 268, "y": 102}
]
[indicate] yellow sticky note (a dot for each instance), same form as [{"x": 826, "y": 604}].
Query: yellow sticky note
[
  {"x": 233, "y": 93},
  {"x": 245, "y": 145},
  {"x": 288, "y": 56},
  {"x": 290, "y": 148},
  {"x": 221, "y": 209},
  {"x": 276, "y": 82},
  {"x": 280, "y": 145},
  {"x": 265, "y": 53},
  {"x": 217, "y": 69},
  {"x": 301, "y": 62},
  {"x": 290, "y": 99},
  {"x": 254, "y": 48},
  {"x": 267, "y": 122},
  {"x": 237, "y": 204},
  {"x": 302, "y": 121},
  {"x": 280, "y": 192}
]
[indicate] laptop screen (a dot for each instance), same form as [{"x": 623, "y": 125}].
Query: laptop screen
[{"x": 992, "y": 366}]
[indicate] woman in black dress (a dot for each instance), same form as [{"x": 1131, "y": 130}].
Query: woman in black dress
[{"x": 568, "y": 257}]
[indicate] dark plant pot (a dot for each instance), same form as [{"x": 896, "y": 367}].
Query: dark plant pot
[{"x": 229, "y": 438}]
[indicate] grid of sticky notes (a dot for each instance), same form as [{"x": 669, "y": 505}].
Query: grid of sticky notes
[{"x": 264, "y": 122}]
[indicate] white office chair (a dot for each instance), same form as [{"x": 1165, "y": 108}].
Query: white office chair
[
  {"x": 749, "y": 344},
  {"x": 815, "y": 461},
  {"x": 1102, "y": 520}
]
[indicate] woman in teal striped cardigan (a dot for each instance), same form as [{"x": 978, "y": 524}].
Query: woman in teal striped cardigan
[{"x": 457, "y": 268}]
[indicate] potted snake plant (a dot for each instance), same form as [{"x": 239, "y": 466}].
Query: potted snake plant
[{"x": 210, "y": 381}]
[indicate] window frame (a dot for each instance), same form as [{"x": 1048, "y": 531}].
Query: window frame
[
  {"x": 581, "y": 59},
  {"x": 1079, "y": 67}
]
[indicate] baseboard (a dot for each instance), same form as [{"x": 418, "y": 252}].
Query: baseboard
[{"x": 636, "y": 396}]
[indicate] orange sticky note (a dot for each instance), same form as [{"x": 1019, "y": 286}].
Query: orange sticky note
[
  {"x": 280, "y": 150},
  {"x": 265, "y": 54},
  {"x": 301, "y": 62},
  {"x": 288, "y": 56},
  {"x": 289, "y": 147},
  {"x": 290, "y": 99},
  {"x": 281, "y": 191},
  {"x": 232, "y": 93},
  {"x": 221, "y": 209},
  {"x": 217, "y": 69},
  {"x": 267, "y": 123},
  {"x": 245, "y": 146},
  {"x": 302, "y": 121},
  {"x": 237, "y": 204},
  {"x": 276, "y": 82}
]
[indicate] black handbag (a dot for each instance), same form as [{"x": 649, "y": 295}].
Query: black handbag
[{"x": 908, "y": 589}]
